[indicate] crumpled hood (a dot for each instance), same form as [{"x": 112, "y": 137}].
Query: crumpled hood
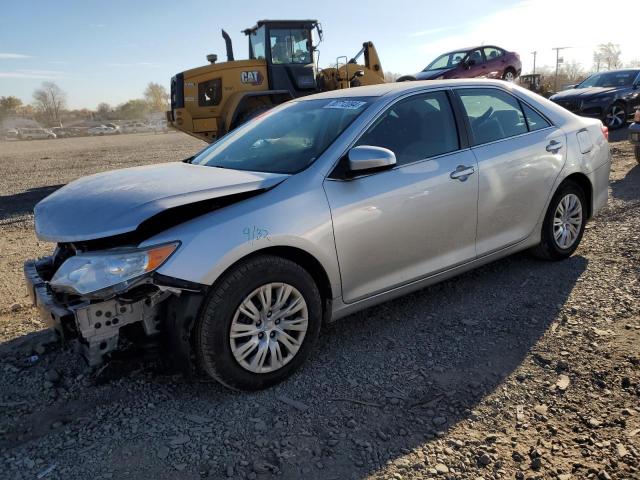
[
  {"x": 431, "y": 74},
  {"x": 116, "y": 202},
  {"x": 578, "y": 93}
]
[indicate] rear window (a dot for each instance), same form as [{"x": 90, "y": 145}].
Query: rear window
[{"x": 493, "y": 114}]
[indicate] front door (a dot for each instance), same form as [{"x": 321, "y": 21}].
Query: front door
[{"x": 399, "y": 225}]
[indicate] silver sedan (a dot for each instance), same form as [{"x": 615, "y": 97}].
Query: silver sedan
[{"x": 324, "y": 206}]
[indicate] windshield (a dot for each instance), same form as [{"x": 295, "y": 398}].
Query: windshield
[
  {"x": 290, "y": 45},
  {"x": 448, "y": 60},
  {"x": 610, "y": 79},
  {"x": 287, "y": 139}
]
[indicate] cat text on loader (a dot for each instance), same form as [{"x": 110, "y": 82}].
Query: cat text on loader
[{"x": 209, "y": 101}]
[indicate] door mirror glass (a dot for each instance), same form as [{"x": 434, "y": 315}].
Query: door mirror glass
[{"x": 366, "y": 157}]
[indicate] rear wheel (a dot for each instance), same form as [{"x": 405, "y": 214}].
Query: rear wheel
[
  {"x": 509, "y": 75},
  {"x": 616, "y": 116},
  {"x": 563, "y": 224},
  {"x": 259, "y": 323}
]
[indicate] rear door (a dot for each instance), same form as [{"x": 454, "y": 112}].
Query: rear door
[
  {"x": 520, "y": 154},
  {"x": 399, "y": 225},
  {"x": 495, "y": 61}
]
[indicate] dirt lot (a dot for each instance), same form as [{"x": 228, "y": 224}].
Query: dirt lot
[{"x": 521, "y": 369}]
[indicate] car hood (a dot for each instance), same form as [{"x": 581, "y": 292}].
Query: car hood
[
  {"x": 576, "y": 93},
  {"x": 431, "y": 74},
  {"x": 117, "y": 202}
]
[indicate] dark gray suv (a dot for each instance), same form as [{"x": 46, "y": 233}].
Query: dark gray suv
[{"x": 610, "y": 96}]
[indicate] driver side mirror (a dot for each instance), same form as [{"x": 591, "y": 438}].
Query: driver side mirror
[
  {"x": 365, "y": 158},
  {"x": 470, "y": 63}
]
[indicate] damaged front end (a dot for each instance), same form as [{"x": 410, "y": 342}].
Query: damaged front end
[{"x": 101, "y": 297}]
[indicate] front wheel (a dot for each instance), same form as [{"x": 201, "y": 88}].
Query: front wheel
[
  {"x": 563, "y": 224},
  {"x": 615, "y": 117},
  {"x": 259, "y": 323}
]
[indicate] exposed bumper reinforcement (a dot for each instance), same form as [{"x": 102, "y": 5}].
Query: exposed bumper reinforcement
[{"x": 96, "y": 324}]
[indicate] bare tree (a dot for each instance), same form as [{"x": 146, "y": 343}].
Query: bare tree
[
  {"x": 573, "y": 71},
  {"x": 391, "y": 76},
  {"x": 607, "y": 55},
  {"x": 50, "y": 100},
  {"x": 157, "y": 97},
  {"x": 635, "y": 63},
  {"x": 133, "y": 109},
  {"x": 9, "y": 105},
  {"x": 104, "y": 111}
]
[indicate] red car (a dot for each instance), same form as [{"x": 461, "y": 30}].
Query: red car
[{"x": 487, "y": 61}]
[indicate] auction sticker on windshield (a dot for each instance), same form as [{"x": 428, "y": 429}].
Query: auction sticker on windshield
[{"x": 345, "y": 104}]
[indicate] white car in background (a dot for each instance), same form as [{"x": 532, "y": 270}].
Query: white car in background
[
  {"x": 103, "y": 130},
  {"x": 136, "y": 127},
  {"x": 35, "y": 134}
]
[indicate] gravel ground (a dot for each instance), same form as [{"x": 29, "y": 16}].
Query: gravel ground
[{"x": 520, "y": 369}]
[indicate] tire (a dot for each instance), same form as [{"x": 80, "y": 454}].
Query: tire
[
  {"x": 636, "y": 150},
  {"x": 549, "y": 247},
  {"x": 615, "y": 116},
  {"x": 214, "y": 345},
  {"x": 509, "y": 75}
]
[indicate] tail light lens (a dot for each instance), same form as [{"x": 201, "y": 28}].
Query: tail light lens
[{"x": 605, "y": 132}]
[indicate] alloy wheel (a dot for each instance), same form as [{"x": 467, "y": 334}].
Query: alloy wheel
[
  {"x": 567, "y": 221},
  {"x": 615, "y": 117},
  {"x": 509, "y": 76},
  {"x": 268, "y": 327}
]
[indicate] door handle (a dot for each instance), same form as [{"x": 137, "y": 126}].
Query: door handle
[
  {"x": 554, "y": 146},
  {"x": 462, "y": 172}
]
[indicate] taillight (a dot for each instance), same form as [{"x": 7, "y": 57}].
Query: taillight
[{"x": 605, "y": 132}]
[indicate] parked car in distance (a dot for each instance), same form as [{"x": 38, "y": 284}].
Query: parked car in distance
[
  {"x": 475, "y": 62},
  {"x": 65, "y": 132},
  {"x": 610, "y": 96},
  {"x": 159, "y": 126},
  {"x": 319, "y": 208},
  {"x": 35, "y": 133},
  {"x": 103, "y": 130},
  {"x": 10, "y": 134},
  {"x": 136, "y": 127},
  {"x": 634, "y": 134}
]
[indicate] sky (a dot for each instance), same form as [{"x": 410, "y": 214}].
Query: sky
[{"x": 108, "y": 50}]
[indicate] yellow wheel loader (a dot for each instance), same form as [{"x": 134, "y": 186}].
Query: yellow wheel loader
[{"x": 211, "y": 100}]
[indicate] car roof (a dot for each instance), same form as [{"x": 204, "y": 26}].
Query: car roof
[
  {"x": 620, "y": 70},
  {"x": 399, "y": 88}
]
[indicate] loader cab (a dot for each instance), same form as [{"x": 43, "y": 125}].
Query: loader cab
[{"x": 287, "y": 48}]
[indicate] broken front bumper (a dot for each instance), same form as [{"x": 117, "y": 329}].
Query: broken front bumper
[{"x": 96, "y": 324}]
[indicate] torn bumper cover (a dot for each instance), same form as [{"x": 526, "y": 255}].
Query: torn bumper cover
[{"x": 97, "y": 323}]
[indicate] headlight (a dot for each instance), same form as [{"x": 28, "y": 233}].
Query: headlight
[{"x": 116, "y": 269}]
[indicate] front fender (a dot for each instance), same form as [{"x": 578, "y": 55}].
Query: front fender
[{"x": 213, "y": 242}]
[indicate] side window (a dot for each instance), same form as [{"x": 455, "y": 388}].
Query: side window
[
  {"x": 492, "y": 53},
  {"x": 416, "y": 128},
  {"x": 475, "y": 57},
  {"x": 493, "y": 114},
  {"x": 535, "y": 121}
]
